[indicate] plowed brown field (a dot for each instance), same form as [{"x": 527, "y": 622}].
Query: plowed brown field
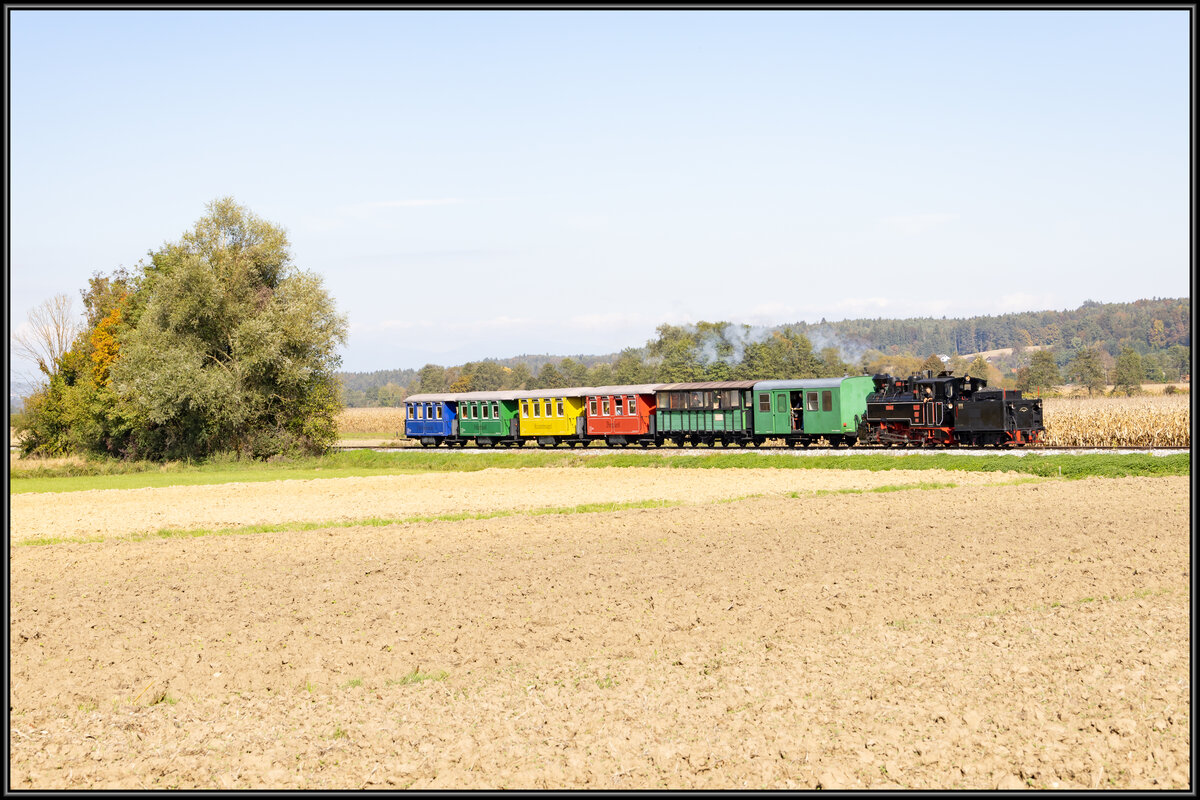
[{"x": 996, "y": 634}]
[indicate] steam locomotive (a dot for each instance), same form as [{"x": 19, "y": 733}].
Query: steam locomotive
[{"x": 946, "y": 411}]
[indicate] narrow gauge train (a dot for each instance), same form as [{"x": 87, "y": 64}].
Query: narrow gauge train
[
  {"x": 945, "y": 411},
  {"x": 722, "y": 412},
  {"x": 919, "y": 411}
]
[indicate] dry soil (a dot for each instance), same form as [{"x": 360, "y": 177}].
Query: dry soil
[{"x": 996, "y": 634}]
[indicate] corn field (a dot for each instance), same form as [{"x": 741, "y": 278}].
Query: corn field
[
  {"x": 1144, "y": 421},
  {"x": 385, "y": 422}
]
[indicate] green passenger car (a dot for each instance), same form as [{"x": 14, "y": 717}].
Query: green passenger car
[
  {"x": 490, "y": 418},
  {"x": 802, "y": 411},
  {"x": 706, "y": 413}
]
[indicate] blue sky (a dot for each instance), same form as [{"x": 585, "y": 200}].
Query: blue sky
[{"x": 476, "y": 184}]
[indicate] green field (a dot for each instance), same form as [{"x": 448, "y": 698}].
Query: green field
[{"x": 83, "y": 475}]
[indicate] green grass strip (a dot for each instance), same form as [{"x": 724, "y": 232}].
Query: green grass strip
[
  {"x": 362, "y": 463},
  {"x": 369, "y": 522},
  {"x": 894, "y": 487}
]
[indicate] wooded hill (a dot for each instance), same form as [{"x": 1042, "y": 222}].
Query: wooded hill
[{"x": 1158, "y": 330}]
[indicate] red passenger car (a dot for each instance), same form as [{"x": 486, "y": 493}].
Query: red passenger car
[{"x": 622, "y": 415}]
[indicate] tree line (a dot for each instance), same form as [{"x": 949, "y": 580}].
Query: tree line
[{"x": 712, "y": 351}]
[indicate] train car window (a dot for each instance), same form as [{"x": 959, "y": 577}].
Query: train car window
[
  {"x": 525, "y": 409},
  {"x": 827, "y": 401},
  {"x": 439, "y": 410},
  {"x": 495, "y": 410},
  {"x": 560, "y": 408},
  {"x": 697, "y": 400},
  {"x": 487, "y": 411},
  {"x": 410, "y": 411},
  {"x": 537, "y": 408},
  {"x": 631, "y": 406},
  {"x": 604, "y": 406},
  {"x": 420, "y": 412},
  {"x": 812, "y": 402},
  {"x": 591, "y": 406},
  {"x": 764, "y": 403},
  {"x": 618, "y": 406}
]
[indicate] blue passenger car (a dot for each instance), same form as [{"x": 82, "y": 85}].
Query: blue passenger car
[{"x": 432, "y": 418}]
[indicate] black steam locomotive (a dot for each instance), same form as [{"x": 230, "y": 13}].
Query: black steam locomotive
[{"x": 945, "y": 411}]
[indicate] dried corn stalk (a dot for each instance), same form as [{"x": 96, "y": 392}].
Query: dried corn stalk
[
  {"x": 1156, "y": 421},
  {"x": 384, "y": 421}
]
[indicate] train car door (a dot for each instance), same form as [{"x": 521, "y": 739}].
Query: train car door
[{"x": 784, "y": 422}]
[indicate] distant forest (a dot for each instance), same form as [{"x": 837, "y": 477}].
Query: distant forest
[{"x": 1157, "y": 331}]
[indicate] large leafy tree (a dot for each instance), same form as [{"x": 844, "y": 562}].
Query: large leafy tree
[
  {"x": 219, "y": 345},
  {"x": 1087, "y": 370},
  {"x": 1129, "y": 373},
  {"x": 1042, "y": 373},
  {"x": 236, "y": 348}
]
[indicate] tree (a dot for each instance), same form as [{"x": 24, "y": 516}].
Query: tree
[
  {"x": 832, "y": 365},
  {"x": 601, "y": 375},
  {"x": 519, "y": 377},
  {"x": 978, "y": 368},
  {"x": 1042, "y": 373},
  {"x": 629, "y": 369},
  {"x": 1087, "y": 370},
  {"x": 1180, "y": 360},
  {"x": 219, "y": 345},
  {"x": 573, "y": 372},
  {"x": 548, "y": 377},
  {"x": 933, "y": 364},
  {"x": 1129, "y": 373},
  {"x": 48, "y": 333},
  {"x": 431, "y": 379},
  {"x": 391, "y": 395}
]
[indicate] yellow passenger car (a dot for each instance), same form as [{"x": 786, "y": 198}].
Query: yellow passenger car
[{"x": 553, "y": 416}]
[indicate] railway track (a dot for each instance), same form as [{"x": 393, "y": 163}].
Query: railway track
[{"x": 1047, "y": 449}]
